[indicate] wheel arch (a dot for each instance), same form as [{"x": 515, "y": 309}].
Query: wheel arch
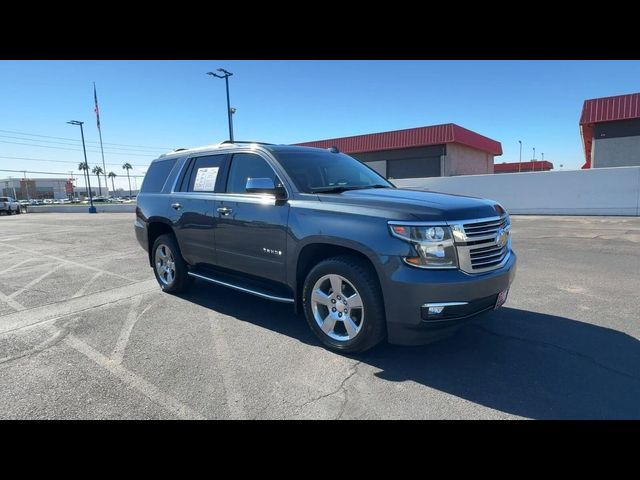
[
  {"x": 155, "y": 228},
  {"x": 315, "y": 252}
]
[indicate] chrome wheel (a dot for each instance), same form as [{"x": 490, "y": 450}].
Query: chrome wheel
[
  {"x": 337, "y": 307},
  {"x": 165, "y": 264}
]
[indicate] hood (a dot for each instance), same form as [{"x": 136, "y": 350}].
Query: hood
[{"x": 416, "y": 205}]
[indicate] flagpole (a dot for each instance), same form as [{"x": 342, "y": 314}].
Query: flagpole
[{"x": 104, "y": 166}]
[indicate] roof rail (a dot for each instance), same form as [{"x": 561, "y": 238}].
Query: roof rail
[{"x": 245, "y": 141}]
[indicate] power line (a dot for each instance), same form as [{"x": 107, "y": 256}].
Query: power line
[
  {"x": 79, "y": 150},
  {"x": 75, "y": 144},
  {"x": 58, "y": 173},
  {"x": 29, "y": 159},
  {"x": 88, "y": 141}
]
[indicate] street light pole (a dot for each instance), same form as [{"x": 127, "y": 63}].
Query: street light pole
[
  {"x": 520, "y": 163},
  {"x": 230, "y": 111},
  {"x": 92, "y": 209}
]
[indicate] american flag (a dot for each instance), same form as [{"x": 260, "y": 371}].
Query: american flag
[{"x": 95, "y": 97}]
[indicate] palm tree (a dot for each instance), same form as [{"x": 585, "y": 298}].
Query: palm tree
[
  {"x": 127, "y": 167},
  {"x": 83, "y": 167},
  {"x": 98, "y": 171},
  {"x": 112, "y": 176}
]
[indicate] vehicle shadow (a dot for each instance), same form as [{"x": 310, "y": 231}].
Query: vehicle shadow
[{"x": 519, "y": 362}]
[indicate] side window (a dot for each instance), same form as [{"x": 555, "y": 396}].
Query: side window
[
  {"x": 157, "y": 175},
  {"x": 203, "y": 176},
  {"x": 245, "y": 166}
]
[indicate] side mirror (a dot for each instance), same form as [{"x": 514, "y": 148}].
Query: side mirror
[{"x": 265, "y": 185}]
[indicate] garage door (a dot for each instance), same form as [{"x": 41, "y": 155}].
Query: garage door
[{"x": 414, "y": 167}]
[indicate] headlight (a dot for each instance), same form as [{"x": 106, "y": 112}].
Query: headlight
[{"x": 433, "y": 244}]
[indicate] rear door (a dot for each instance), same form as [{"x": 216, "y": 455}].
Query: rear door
[
  {"x": 251, "y": 228},
  {"x": 192, "y": 207}
]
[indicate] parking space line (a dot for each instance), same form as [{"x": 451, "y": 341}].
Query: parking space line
[
  {"x": 54, "y": 311},
  {"x": 6, "y": 270},
  {"x": 234, "y": 397},
  {"x": 49, "y": 233},
  {"x": 136, "y": 382},
  {"x": 11, "y": 302},
  {"x": 86, "y": 285},
  {"x": 70, "y": 262},
  {"x": 132, "y": 317},
  {"x": 35, "y": 281}
]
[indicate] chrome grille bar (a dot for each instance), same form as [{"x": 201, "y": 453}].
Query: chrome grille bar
[{"x": 476, "y": 244}]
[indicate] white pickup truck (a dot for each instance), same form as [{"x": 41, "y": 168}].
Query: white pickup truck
[{"x": 9, "y": 206}]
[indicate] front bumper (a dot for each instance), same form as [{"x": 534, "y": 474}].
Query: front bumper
[{"x": 406, "y": 289}]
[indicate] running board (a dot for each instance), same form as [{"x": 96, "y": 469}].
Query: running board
[{"x": 257, "y": 293}]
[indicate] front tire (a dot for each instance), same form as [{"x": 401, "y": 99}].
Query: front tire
[
  {"x": 343, "y": 304},
  {"x": 169, "y": 267}
]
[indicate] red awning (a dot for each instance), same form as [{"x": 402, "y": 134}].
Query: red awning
[
  {"x": 536, "y": 165},
  {"x": 409, "y": 138}
]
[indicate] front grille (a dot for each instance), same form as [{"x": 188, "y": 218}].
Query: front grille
[
  {"x": 478, "y": 250},
  {"x": 486, "y": 257},
  {"x": 481, "y": 229}
]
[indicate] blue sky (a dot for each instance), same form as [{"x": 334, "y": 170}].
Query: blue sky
[{"x": 169, "y": 104}]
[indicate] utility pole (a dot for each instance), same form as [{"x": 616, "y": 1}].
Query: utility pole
[{"x": 26, "y": 184}]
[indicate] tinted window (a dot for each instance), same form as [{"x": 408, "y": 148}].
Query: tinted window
[
  {"x": 203, "y": 175},
  {"x": 245, "y": 166},
  {"x": 157, "y": 175},
  {"x": 4, "y": 199},
  {"x": 317, "y": 170}
]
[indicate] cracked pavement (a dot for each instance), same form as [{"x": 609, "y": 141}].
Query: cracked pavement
[{"x": 85, "y": 332}]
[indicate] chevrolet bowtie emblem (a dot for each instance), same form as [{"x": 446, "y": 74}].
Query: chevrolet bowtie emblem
[{"x": 501, "y": 237}]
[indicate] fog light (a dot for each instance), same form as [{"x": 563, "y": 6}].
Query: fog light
[{"x": 435, "y": 310}]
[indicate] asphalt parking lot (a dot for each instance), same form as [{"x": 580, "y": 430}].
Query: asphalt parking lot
[{"x": 85, "y": 332}]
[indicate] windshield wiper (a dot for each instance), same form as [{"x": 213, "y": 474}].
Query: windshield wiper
[
  {"x": 377, "y": 185},
  {"x": 344, "y": 188},
  {"x": 334, "y": 189}
]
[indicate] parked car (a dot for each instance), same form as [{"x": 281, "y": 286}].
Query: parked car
[
  {"x": 361, "y": 259},
  {"x": 9, "y": 206}
]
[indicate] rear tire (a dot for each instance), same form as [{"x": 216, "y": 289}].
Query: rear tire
[
  {"x": 343, "y": 304},
  {"x": 169, "y": 267}
]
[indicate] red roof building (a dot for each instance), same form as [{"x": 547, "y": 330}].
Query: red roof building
[
  {"x": 432, "y": 151},
  {"x": 515, "y": 167},
  {"x": 610, "y": 129}
]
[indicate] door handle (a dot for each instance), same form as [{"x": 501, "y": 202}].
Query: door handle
[
  {"x": 224, "y": 211},
  {"x": 176, "y": 206}
]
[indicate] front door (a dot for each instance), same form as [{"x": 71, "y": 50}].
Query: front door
[
  {"x": 192, "y": 208},
  {"x": 251, "y": 228}
]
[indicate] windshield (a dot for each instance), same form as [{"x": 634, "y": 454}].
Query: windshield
[{"x": 327, "y": 172}]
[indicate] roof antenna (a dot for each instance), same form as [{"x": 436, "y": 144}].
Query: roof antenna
[{"x": 334, "y": 149}]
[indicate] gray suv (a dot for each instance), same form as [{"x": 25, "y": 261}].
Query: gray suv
[{"x": 363, "y": 260}]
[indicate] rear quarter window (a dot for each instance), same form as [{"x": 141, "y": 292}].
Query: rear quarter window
[{"x": 157, "y": 175}]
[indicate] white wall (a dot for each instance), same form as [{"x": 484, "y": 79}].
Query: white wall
[
  {"x": 602, "y": 191},
  {"x": 100, "y": 207}
]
